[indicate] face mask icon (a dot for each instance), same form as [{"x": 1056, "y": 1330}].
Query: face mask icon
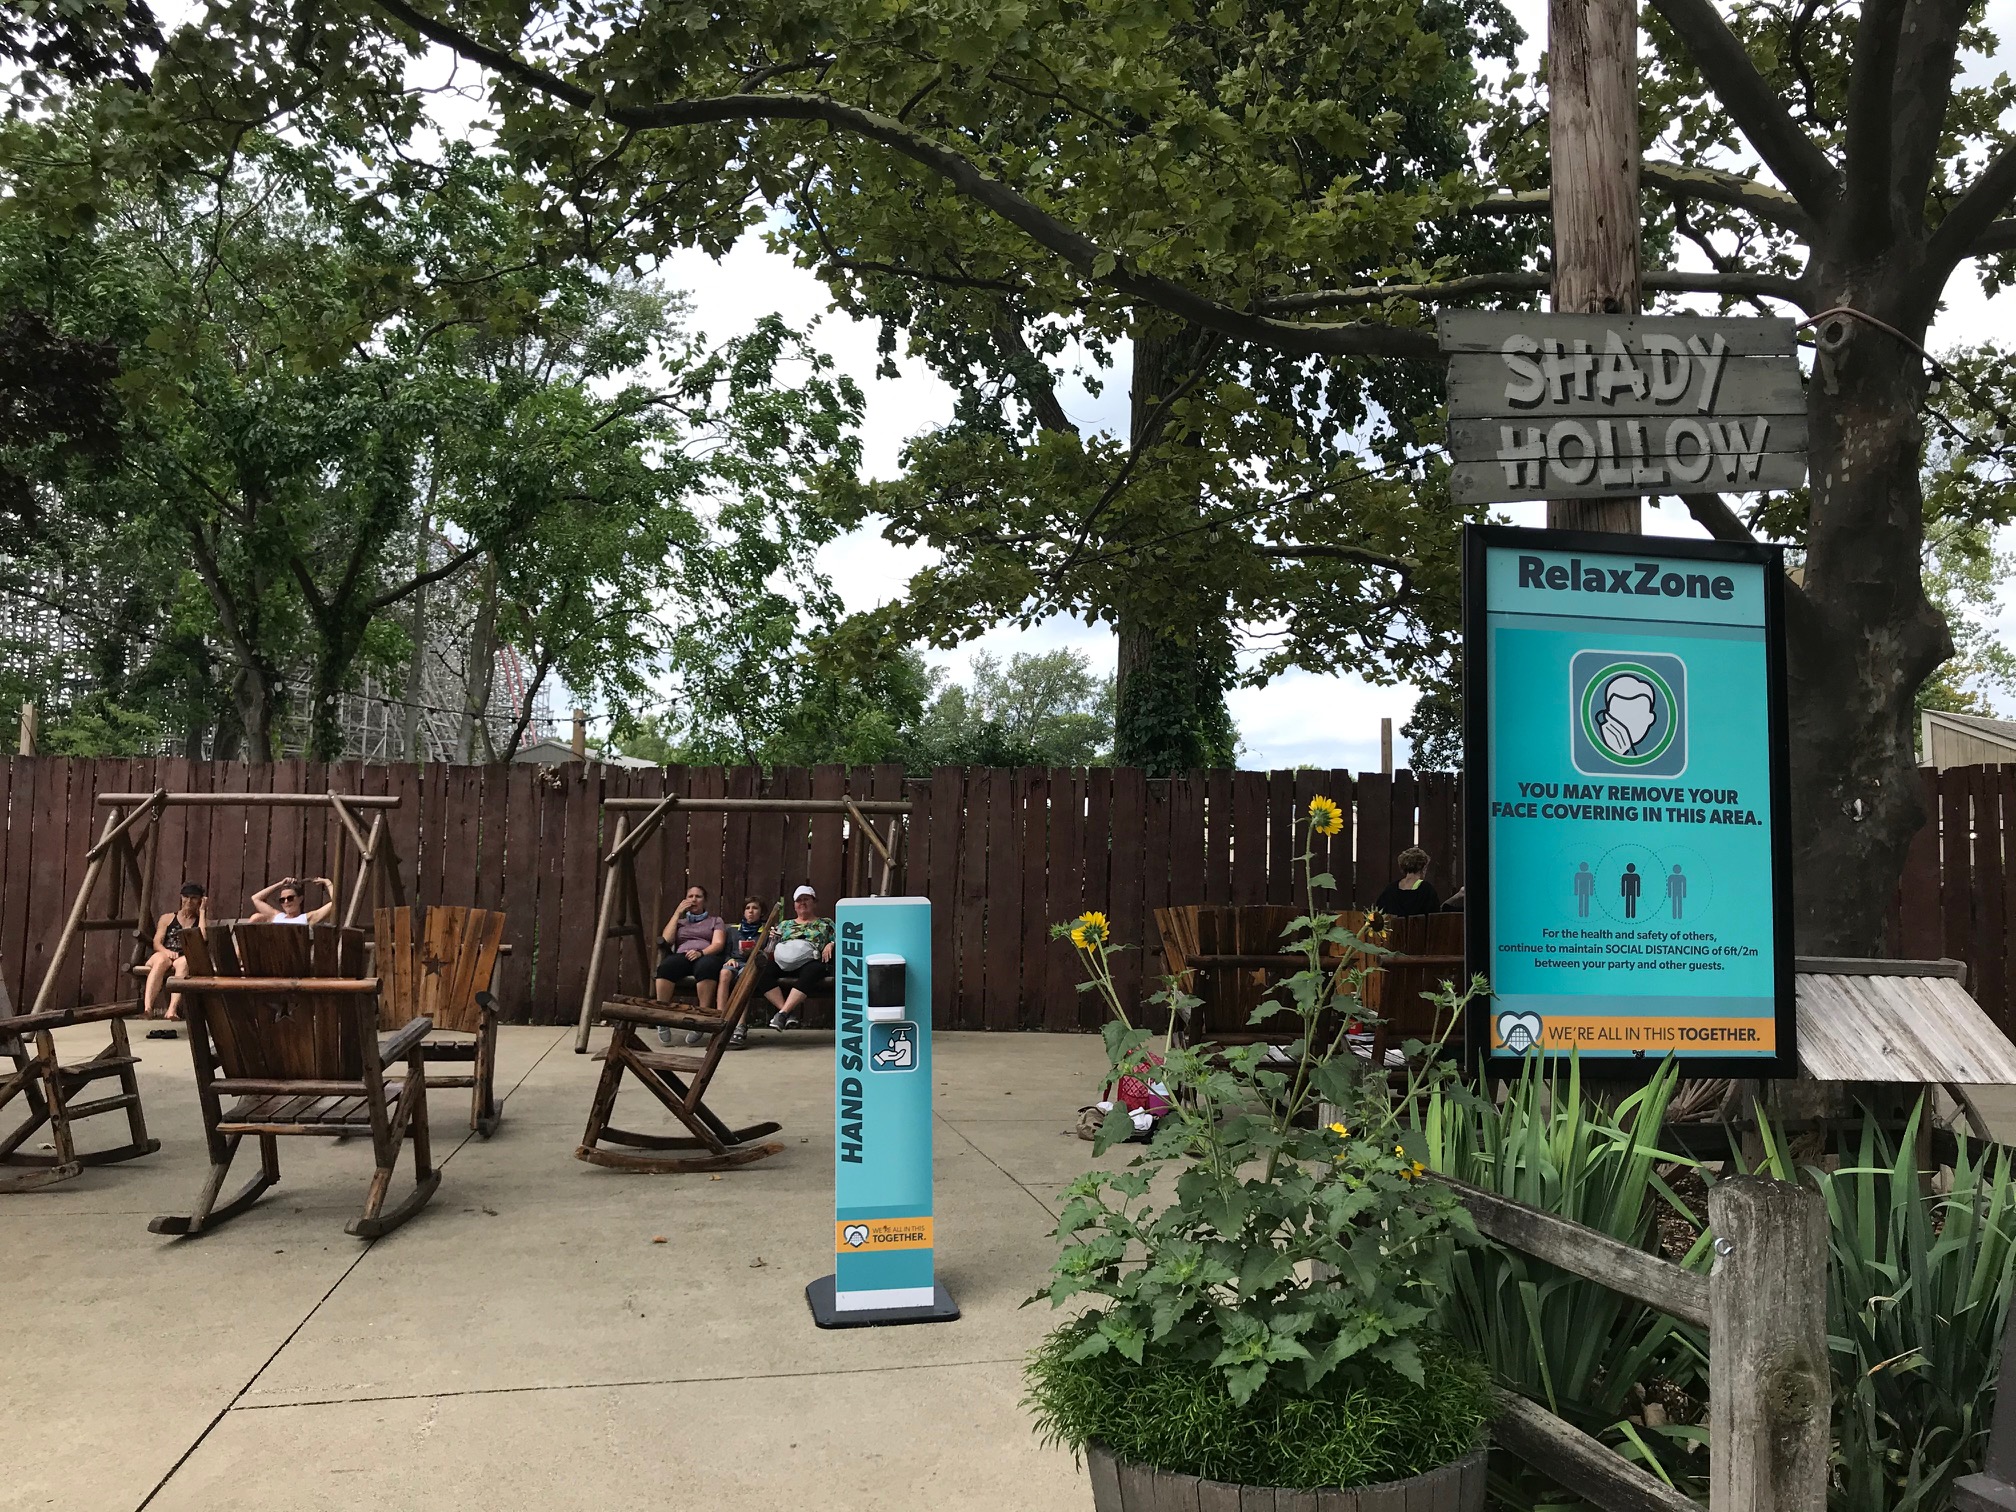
[
  {"x": 1629, "y": 710},
  {"x": 1627, "y": 713}
]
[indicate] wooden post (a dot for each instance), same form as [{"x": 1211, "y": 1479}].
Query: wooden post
[
  {"x": 580, "y": 734},
  {"x": 1386, "y": 746},
  {"x": 1768, "y": 1385},
  {"x": 612, "y": 887},
  {"x": 27, "y": 747},
  {"x": 1592, "y": 107}
]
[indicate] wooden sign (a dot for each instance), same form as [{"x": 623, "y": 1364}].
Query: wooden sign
[{"x": 1587, "y": 406}]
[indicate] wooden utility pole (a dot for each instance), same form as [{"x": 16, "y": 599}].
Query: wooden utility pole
[
  {"x": 1386, "y": 746},
  {"x": 27, "y": 746},
  {"x": 1592, "y": 108},
  {"x": 580, "y": 741}
]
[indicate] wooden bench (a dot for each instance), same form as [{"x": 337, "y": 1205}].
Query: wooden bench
[{"x": 281, "y": 1018}]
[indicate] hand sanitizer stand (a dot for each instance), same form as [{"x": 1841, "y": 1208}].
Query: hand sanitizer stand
[{"x": 882, "y": 1238}]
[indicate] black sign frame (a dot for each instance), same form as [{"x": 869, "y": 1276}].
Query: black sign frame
[{"x": 1478, "y": 944}]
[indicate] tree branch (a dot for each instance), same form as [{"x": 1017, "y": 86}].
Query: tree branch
[
  {"x": 1332, "y": 553},
  {"x": 1999, "y": 236},
  {"x": 1734, "y": 282},
  {"x": 1754, "y": 105},
  {"x": 1712, "y": 512},
  {"x": 1919, "y": 99},
  {"x": 1866, "y": 141},
  {"x": 449, "y": 568},
  {"x": 1712, "y": 186},
  {"x": 1767, "y": 202},
  {"x": 1086, "y": 257},
  {"x": 1974, "y": 212}
]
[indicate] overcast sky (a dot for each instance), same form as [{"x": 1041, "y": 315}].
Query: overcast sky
[{"x": 1326, "y": 721}]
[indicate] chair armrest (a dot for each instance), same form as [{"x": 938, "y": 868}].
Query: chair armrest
[
  {"x": 488, "y": 1003},
  {"x": 400, "y": 1045}
]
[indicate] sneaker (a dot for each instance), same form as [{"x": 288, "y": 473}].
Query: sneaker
[
  {"x": 664, "y": 1036},
  {"x": 693, "y": 1037},
  {"x": 780, "y": 1020},
  {"x": 739, "y": 1040}
]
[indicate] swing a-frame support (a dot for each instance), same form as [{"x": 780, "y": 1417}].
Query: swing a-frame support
[{"x": 119, "y": 893}]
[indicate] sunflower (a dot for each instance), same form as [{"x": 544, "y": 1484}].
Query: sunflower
[
  {"x": 1325, "y": 817},
  {"x": 1089, "y": 930}
]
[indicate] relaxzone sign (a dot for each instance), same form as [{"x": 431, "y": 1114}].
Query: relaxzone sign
[
  {"x": 1589, "y": 406},
  {"x": 1626, "y": 809}
]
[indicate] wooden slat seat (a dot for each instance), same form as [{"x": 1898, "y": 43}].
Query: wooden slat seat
[
  {"x": 654, "y": 1014},
  {"x": 439, "y": 963},
  {"x": 281, "y": 1016}
]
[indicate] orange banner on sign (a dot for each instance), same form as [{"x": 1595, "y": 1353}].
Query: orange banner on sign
[
  {"x": 1656, "y": 1036},
  {"x": 865, "y": 1236}
]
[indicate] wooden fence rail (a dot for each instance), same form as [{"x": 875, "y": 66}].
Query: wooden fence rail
[
  {"x": 1764, "y": 1305},
  {"x": 1001, "y": 852}
]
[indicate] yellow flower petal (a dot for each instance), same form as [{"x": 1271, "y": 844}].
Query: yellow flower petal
[{"x": 1325, "y": 817}]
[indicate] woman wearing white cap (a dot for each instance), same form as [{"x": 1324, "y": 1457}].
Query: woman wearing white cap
[{"x": 800, "y": 959}]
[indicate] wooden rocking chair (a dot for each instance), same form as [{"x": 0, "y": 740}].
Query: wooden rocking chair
[
  {"x": 47, "y": 1088},
  {"x": 436, "y": 963},
  {"x": 281, "y": 1017},
  {"x": 714, "y": 1145}
]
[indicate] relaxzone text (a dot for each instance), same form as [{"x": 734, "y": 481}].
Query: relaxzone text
[{"x": 1629, "y": 803}]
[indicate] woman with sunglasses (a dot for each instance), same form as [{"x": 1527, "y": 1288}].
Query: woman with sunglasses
[{"x": 291, "y": 906}]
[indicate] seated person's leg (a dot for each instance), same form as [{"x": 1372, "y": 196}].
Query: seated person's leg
[
  {"x": 706, "y": 980},
  {"x": 673, "y": 969}
]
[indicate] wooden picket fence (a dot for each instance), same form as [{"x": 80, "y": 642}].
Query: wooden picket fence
[{"x": 1002, "y": 854}]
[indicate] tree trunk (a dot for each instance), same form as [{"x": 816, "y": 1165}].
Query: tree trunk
[
  {"x": 479, "y": 674},
  {"x": 1860, "y": 636},
  {"x": 416, "y": 666},
  {"x": 1169, "y": 711},
  {"x": 258, "y": 706}
]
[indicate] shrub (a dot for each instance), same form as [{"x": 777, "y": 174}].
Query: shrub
[{"x": 1354, "y": 1430}]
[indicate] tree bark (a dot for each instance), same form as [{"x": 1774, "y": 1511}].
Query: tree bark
[
  {"x": 1861, "y": 636},
  {"x": 1592, "y": 107}
]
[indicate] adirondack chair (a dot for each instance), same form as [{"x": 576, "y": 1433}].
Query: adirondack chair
[
  {"x": 714, "y": 1145},
  {"x": 46, "y": 1088},
  {"x": 436, "y": 963},
  {"x": 282, "y": 1017}
]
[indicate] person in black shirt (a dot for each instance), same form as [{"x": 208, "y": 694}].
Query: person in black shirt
[{"x": 1413, "y": 895}]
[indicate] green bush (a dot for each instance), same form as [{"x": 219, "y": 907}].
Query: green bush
[
  {"x": 1573, "y": 1345},
  {"x": 1352, "y": 1429},
  {"x": 1918, "y": 1289}
]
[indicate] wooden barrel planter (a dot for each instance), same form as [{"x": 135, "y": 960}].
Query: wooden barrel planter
[{"x": 1120, "y": 1487}]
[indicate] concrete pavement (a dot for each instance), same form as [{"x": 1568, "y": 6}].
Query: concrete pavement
[{"x": 526, "y": 1341}]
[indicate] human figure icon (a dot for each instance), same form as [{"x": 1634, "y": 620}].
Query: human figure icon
[
  {"x": 1585, "y": 890},
  {"x": 1631, "y": 885},
  {"x": 1676, "y": 889}
]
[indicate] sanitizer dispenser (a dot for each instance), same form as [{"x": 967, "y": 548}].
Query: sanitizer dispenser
[{"x": 883, "y": 1239}]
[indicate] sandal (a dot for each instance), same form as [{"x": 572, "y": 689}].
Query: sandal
[{"x": 162, "y": 1034}]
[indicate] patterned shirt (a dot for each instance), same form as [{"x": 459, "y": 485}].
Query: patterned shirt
[{"x": 818, "y": 931}]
